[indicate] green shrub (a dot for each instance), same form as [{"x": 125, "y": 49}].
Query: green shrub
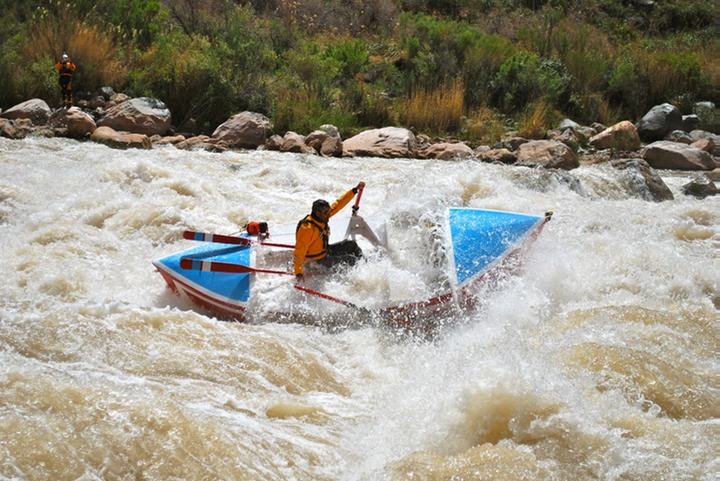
[
  {"x": 482, "y": 63},
  {"x": 435, "y": 50},
  {"x": 524, "y": 78}
]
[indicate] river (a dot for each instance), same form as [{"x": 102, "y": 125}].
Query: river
[{"x": 599, "y": 362}]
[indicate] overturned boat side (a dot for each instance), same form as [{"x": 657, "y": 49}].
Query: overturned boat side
[{"x": 225, "y": 294}]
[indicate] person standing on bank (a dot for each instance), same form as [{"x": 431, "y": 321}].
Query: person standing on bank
[
  {"x": 312, "y": 237},
  {"x": 66, "y": 68}
]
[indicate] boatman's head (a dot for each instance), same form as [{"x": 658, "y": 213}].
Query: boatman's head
[
  {"x": 321, "y": 210},
  {"x": 320, "y": 205}
]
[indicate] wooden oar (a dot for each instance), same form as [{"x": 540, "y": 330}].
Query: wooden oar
[
  {"x": 214, "y": 266},
  {"x": 228, "y": 239}
]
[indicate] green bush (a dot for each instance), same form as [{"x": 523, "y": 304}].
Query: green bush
[
  {"x": 435, "y": 49},
  {"x": 205, "y": 79},
  {"x": 525, "y": 78},
  {"x": 482, "y": 63},
  {"x": 306, "y": 91}
]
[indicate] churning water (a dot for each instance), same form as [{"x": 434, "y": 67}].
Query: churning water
[{"x": 599, "y": 362}]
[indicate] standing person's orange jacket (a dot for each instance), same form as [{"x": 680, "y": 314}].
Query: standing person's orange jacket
[{"x": 312, "y": 235}]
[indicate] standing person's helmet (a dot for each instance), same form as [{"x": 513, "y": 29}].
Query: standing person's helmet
[{"x": 65, "y": 57}]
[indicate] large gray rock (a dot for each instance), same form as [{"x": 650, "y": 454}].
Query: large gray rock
[
  {"x": 675, "y": 156},
  {"x": 708, "y": 115},
  {"x": 390, "y": 142},
  {"x": 36, "y": 110},
  {"x": 642, "y": 180},
  {"x": 143, "y": 115},
  {"x": 78, "y": 124},
  {"x": 547, "y": 153},
  {"x": 247, "y": 130},
  {"x": 701, "y": 186},
  {"x": 659, "y": 121}
]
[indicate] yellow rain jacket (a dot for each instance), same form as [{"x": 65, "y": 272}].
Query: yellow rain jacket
[{"x": 312, "y": 236}]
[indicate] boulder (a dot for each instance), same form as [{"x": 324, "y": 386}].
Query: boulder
[
  {"x": 621, "y": 136},
  {"x": 679, "y": 136},
  {"x": 708, "y": 145},
  {"x": 120, "y": 140},
  {"x": 248, "y": 130},
  {"x": 642, "y": 180},
  {"x": 660, "y": 120},
  {"x": 202, "y": 142},
  {"x": 571, "y": 137},
  {"x": 316, "y": 138},
  {"x": 294, "y": 142},
  {"x": 447, "y": 151},
  {"x": 548, "y": 154},
  {"x": 331, "y": 130},
  {"x": 568, "y": 124},
  {"x": 701, "y": 186},
  {"x": 332, "y": 147},
  {"x": 143, "y": 115},
  {"x": 389, "y": 142},
  {"x": 503, "y": 156},
  {"x": 675, "y": 156},
  {"x": 106, "y": 92},
  {"x": 169, "y": 139},
  {"x": 697, "y": 135},
  {"x": 708, "y": 115},
  {"x": 274, "y": 142},
  {"x": 511, "y": 143},
  {"x": 77, "y": 123},
  {"x": 15, "y": 129},
  {"x": 36, "y": 110}
]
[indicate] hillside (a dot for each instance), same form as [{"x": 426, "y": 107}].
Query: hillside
[{"x": 463, "y": 68}]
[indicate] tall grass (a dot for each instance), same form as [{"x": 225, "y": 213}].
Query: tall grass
[
  {"x": 537, "y": 119},
  {"x": 436, "y": 110},
  {"x": 483, "y": 125},
  {"x": 94, "y": 50}
]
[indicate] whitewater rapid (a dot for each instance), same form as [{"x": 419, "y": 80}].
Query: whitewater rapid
[{"x": 599, "y": 362}]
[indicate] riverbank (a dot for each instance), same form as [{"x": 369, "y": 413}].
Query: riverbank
[{"x": 657, "y": 141}]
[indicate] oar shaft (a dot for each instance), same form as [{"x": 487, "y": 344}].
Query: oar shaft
[
  {"x": 228, "y": 239},
  {"x": 326, "y": 296},
  {"x": 214, "y": 266}
]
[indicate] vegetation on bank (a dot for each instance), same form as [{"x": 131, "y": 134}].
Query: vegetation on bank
[{"x": 467, "y": 69}]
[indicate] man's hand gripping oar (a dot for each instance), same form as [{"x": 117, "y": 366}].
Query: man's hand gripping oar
[{"x": 357, "y": 224}]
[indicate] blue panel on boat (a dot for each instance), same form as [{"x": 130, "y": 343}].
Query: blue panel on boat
[
  {"x": 479, "y": 237},
  {"x": 229, "y": 285}
]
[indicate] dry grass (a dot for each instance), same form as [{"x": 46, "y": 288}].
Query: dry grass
[
  {"x": 95, "y": 52},
  {"x": 537, "y": 120},
  {"x": 436, "y": 110},
  {"x": 484, "y": 126}
]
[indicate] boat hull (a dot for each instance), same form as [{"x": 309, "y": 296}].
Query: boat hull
[{"x": 483, "y": 248}]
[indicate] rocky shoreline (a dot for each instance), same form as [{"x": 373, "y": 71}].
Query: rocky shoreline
[{"x": 662, "y": 139}]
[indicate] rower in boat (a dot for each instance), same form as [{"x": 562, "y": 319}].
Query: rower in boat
[{"x": 312, "y": 237}]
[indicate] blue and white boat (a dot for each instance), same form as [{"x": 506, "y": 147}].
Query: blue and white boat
[{"x": 249, "y": 278}]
